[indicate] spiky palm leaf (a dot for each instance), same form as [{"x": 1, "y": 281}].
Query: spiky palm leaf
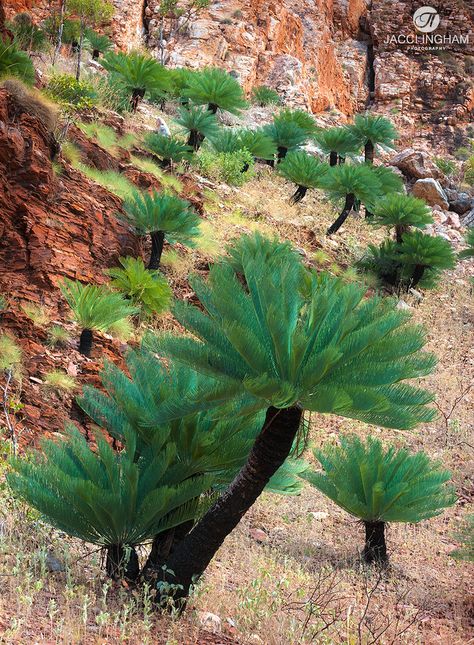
[
  {"x": 14, "y": 62},
  {"x": 198, "y": 123},
  {"x": 97, "y": 43},
  {"x": 336, "y": 142},
  {"x": 217, "y": 89},
  {"x": 400, "y": 212},
  {"x": 256, "y": 142},
  {"x": 146, "y": 289},
  {"x": 247, "y": 246},
  {"x": 263, "y": 95},
  {"x": 356, "y": 179},
  {"x": 390, "y": 182},
  {"x": 372, "y": 131},
  {"x": 168, "y": 149},
  {"x": 301, "y": 118},
  {"x": 419, "y": 251},
  {"x": 286, "y": 136},
  {"x": 304, "y": 170}
]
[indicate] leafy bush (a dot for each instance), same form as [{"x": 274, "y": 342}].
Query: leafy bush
[
  {"x": 263, "y": 95},
  {"x": 71, "y": 93},
  {"x": 380, "y": 485},
  {"x": 146, "y": 289},
  {"x": 110, "y": 95},
  {"x": 168, "y": 149},
  {"x": 26, "y": 34},
  {"x": 94, "y": 308},
  {"x": 14, "y": 62},
  {"x": 233, "y": 168},
  {"x": 217, "y": 89}
]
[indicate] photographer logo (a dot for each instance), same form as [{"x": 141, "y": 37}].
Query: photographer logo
[{"x": 426, "y": 19}]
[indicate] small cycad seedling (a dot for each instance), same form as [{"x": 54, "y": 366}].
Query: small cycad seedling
[
  {"x": 380, "y": 485},
  {"x": 146, "y": 289},
  {"x": 263, "y": 96},
  {"x": 168, "y": 149},
  {"x": 304, "y": 170},
  {"x": 371, "y": 131},
  {"x": 198, "y": 123},
  {"x": 337, "y": 143},
  {"x": 400, "y": 212},
  {"x": 95, "y": 308},
  {"x": 217, "y": 89},
  {"x": 160, "y": 215}
]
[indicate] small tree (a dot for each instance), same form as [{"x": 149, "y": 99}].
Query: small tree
[
  {"x": 286, "y": 136},
  {"x": 137, "y": 73},
  {"x": 337, "y": 143},
  {"x": 90, "y": 14},
  {"x": 168, "y": 149},
  {"x": 350, "y": 183},
  {"x": 26, "y": 34},
  {"x": 217, "y": 89},
  {"x": 371, "y": 131},
  {"x": 146, "y": 289},
  {"x": 198, "y": 123},
  {"x": 380, "y": 486},
  {"x": 174, "y": 17},
  {"x": 14, "y": 62},
  {"x": 95, "y": 309},
  {"x": 97, "y": 43},
  {"x": 304, "y": 170},
  {"x": 160, "y": 215},
  {"x": 400, "y": 212}
]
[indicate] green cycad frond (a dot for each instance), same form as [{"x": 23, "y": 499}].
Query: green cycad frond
[
  {"x": 286, "y": 343},
  {"x": 390, "y": 182},
  {"x": 226, "y": 140},
  {"x": 96, "y": 307},
  {"x": 97, "y": 42},
  {"x": 217, "y": 89},
  {"x": 148, "y": 213},
  {"x": 256, "y": 142},
  {"x": 302, "y": 119},
  {"x": 145, "y": 288},
  {"x": 285, "y": 134},
  {"x": 246, "y": 246},
  {"x": 167, "y": 148},
  {"x": 263, "y": 95},
  {"x": 356, "y": 179},
  {"x": 197, "y": 119},
  {"x": 303, "y": 169},
  {"x": 338, "y": 140},
  {"x": 378, "y": 485},
  {"x": 137, "y": 72},
  {"x": 432, "y": 252},
  {"x": 377, "y": 130},
  {"x": 382, "y": 261},
  {"x": 401, "y": 210},
  {"x": 14, "y": 62},
  {"x": 108, "y": 497},
  {"x": 469, "y": 252}
]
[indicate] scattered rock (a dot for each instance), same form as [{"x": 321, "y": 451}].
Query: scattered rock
[
  {"x": 416, "y": 294},
  {"x": 453, "y": 220},
  {"x": 401, "y": 304},
  {"x": 319, "y": 515},
  {"x": 415, "y": 164},
  {"x": 431, "y": 191},
  {"x": 210, "y": 621},
  {"x": 258, "y": 535},
  {"x": 468, "y": 218},
  {"x": 460, "y": 203}
]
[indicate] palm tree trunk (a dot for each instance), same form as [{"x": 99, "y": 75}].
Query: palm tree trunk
[
  {"x": 195, "y": 139},
  {"x": 157, "y": 241},
  {"x": 417, "y": 274},
  {"x": 272, "y": 446},
  {"x": 333, "y": 158},
  {"x": 369, "y": 152},
  {"x": 85, "y": 342},
  {"x": 282, "y": 151},
  {"x": 348, "y": 206},
  {"x": 212, "y": 107},
  {"x": 298, "y": 195},
  {"x": 400, "y": 230},
  {"x": 137, "y": 95},
  {"x": 118, "y": 566},
  {"x": 375, "y": 550},
  {"x": 95, "y": 54},
  {"x": 341, "y": 160},
  {"x": 163, "y": 545}
]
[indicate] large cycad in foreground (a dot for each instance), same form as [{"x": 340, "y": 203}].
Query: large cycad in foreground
[{"x": 289, "y": 340}]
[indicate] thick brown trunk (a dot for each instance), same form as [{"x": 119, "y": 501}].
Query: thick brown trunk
[
  {"x": 157, "y": 241},
  {"x": 272, "y": 446},
  {"x": 298, "y": 195},
  {"x": 348, "y": 206},
  {"x": 417, "y": 274},
  {"x": 163, "y": 545},
  {"x": 375, "y": 550},
  {"x": 369, "y": 152},
  {"x": 86, "y": 341},
  {"x": 120, "y": 564},
  {"x": 333, "y": 158}
]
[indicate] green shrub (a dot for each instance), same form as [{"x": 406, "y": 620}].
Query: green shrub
[
  {"x": 14, "y": 62},
  {"x": 447, "y": 166},
  {"x": 380, "y": 485},
  {"x": 57, "y": 336},
  {"x": 59, "y": 381},
  {"x": 146, "y": 288},
  {"x": 263, "y": 95},
  {"x": 71, "y": 93},
  {"x": 10, "y": 353},
  {"x": 233, "y": 168},
  {"x": 26, "y": 34},
  {"x": 469, "y": 171}
]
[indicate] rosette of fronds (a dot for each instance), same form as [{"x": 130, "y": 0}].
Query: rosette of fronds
[
  {"x": 286, "y": 136},
  {"x": 168, "y": 149},
  {"x": 256, "y": 142},
  {"x": 423, "y": 254},
  {"x": 379, "y": 485},
  {"x": 469, "y": 251},
  {"x": 383, "y": 262},
  {"x": 145, "y": 288},
  {"x": 304, "y": 170},
  {"x": 390, "y": 182},
  {"x": 14, "y": 62},
  {"x": 137, "y": 73},
  {"x": 248, "y": 246},
  {"x": 263, "y": 96},
  {"x": 217, "y": 89},
  {"x": 401, "y": 212},
  {"x": 336, "y": 143},
  {"x": 115, "y": 499},
  {"x": 350, "y": 183},
  {"x": 371, "y": 131},
  {"x": 301, "y": 118},
  {"x": 97, "y": 43},
  {"x": 198, "y": 123},
  {"x": 95, "y": 308},
  {"x": 160, "y": 216}
]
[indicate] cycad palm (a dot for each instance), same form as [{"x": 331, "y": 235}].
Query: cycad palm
[
  {"x": 138, "y": 73},
  {"x": 301, "y": 118},
  {"x": 256, "y": 142},
  {"x": 286, "y": 340},
  {"x": 371, "y": 131},
  {"x": 168, "y": 149},
  {"x": 97, "y": 43},
  {"x": 420, "y": 253},
  {"x": 350, "y": 183},
  {"x": 95, "y": 308},
  {"x": 400, "y": 212},
  {"x": 286, "y": 136},
  {"x": 198, "y": 123},
  {"x": 161, "y": 216},
  {"x": 304, "y": 170},
  {"x": 217, "y": 89},
  {"x": 380, "y": 486},
  {"x": 337, "y": 143}
]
